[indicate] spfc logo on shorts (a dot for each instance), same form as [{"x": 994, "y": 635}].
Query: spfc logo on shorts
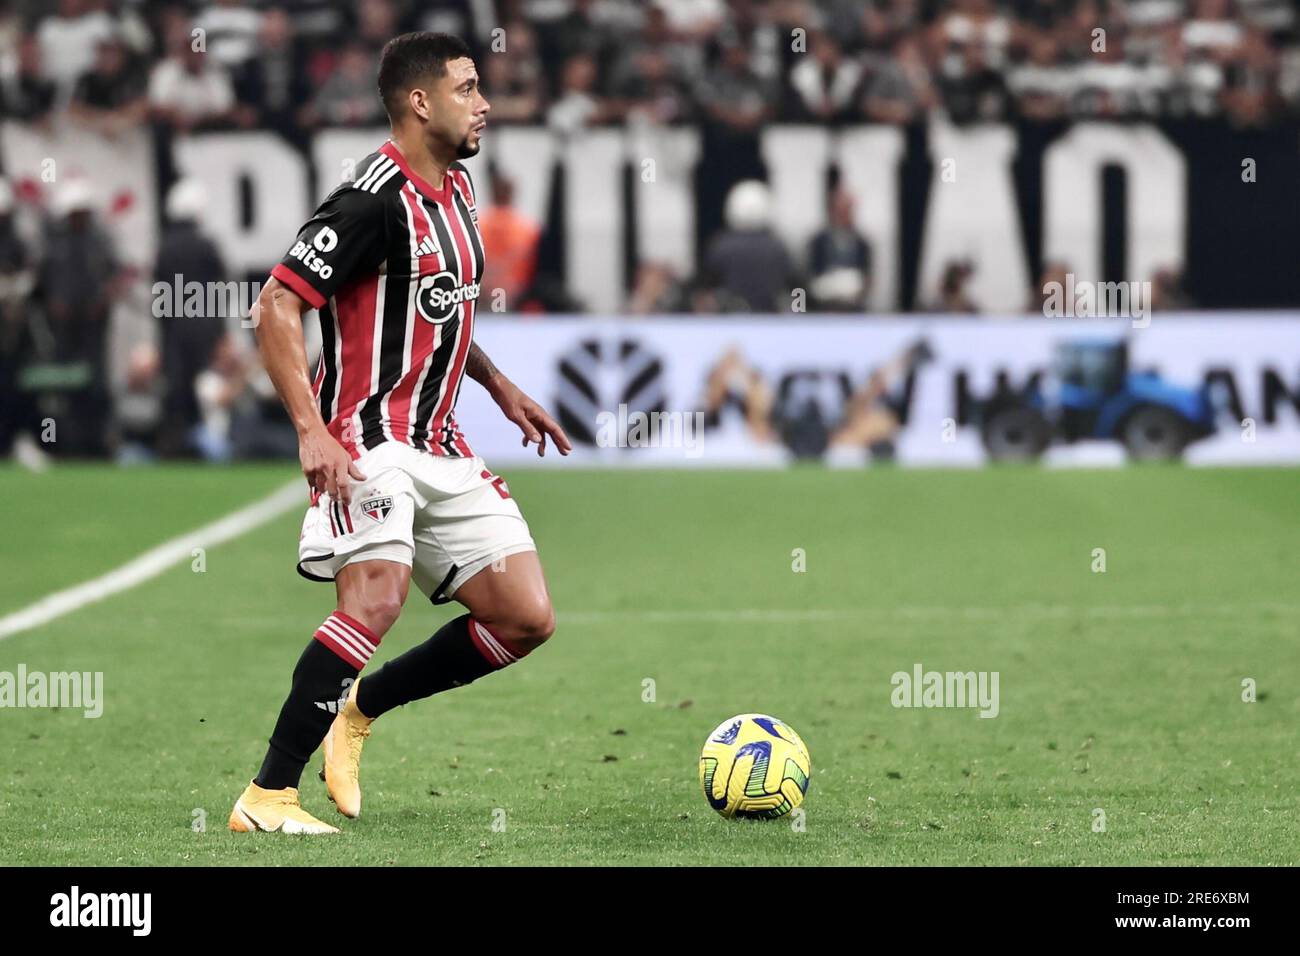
[{"x": 377, "y": 508}]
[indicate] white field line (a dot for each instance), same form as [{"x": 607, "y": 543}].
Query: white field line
[{"x": 154, "y": 561}]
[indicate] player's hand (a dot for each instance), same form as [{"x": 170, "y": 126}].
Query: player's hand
[
  {"x": 327, "y": 465},
  {"x": 532, "y": 419}
]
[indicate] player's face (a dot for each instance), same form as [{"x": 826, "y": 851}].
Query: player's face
[{"x": 461, "y": 107}]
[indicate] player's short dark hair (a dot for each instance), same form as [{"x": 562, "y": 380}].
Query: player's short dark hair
[{"x": 412, "y": 57}]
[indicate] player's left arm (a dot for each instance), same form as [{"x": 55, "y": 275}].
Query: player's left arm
[{"x": 533, "y": 420}]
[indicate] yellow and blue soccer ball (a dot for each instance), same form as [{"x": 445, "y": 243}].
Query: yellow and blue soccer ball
[{"x": 754, "y": 766}]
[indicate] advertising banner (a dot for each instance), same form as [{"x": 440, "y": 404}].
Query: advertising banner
[{"x": 936, "y": 392}]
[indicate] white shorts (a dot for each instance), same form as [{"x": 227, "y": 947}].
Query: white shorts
[{"x": 445, "y": 518}]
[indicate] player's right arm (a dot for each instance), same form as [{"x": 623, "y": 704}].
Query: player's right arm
[
  {"x": 343, "y": 239},
  {"x": 277, "y": 322}
]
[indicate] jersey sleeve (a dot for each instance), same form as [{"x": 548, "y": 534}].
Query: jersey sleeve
[{"x": 343, "y": 239}]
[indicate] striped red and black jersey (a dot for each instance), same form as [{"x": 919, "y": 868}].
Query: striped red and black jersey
[{"x": 393, "y": 266}]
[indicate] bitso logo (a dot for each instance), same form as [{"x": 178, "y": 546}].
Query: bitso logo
[
  {"x": 439, "y": 295},
  {"x": 311, "y": 256}
]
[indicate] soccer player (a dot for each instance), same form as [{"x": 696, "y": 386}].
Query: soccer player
[{"x": 392, "y": 262}]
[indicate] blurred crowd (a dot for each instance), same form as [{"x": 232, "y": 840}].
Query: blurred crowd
[
  {"x": 729, "y": 67},
  {"x": 89, "y": 366},
  {"x": 295, "y": 65}
]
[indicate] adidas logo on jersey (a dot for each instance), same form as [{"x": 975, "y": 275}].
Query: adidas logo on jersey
[
  {"x": 427, "y": 248},
  {"x": 332, "y": 706}
]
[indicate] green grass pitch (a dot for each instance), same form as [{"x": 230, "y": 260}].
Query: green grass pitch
[{"x": 1119, "y": 691}]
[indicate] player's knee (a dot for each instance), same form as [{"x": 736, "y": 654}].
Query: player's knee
[
  {"x": 531, "y": 626},
  {"x": 378, "y": 612}
]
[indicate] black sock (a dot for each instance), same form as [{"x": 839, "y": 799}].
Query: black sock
[
  {"x": 321, "y": 681},
  {"x": 459, "y": 653}
]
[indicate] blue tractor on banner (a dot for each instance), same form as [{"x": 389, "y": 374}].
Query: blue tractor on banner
[{"x": 1090, "y": 394}]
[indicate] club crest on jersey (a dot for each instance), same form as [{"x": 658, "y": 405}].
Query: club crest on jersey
[
  {"x": 377, "y": 508},
  {"x": 438, "y": 296}
]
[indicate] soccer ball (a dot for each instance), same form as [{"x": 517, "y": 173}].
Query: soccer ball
[{"x": 754, "y": 766}]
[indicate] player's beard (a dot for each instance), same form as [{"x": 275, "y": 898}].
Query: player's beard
[{"x": 464, "y": 150}]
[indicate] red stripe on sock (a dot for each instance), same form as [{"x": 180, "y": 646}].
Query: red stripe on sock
[
  {"x": 512, "y": 646},
  {"x": 350, "y": 650},
  {"x": 365, "y": 631},
  {"x": 482, "y": 648},
  {"x": 490, "y": 653},
  {"x": 344, "y": 652}
]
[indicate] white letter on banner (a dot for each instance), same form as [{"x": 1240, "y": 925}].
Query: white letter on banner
[{"x": 1156, "y": 220}]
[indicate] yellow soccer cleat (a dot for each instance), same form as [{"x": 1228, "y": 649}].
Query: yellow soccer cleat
[
  {"x": 342, "y": 748},
  {"x": 274, "y": 811}
]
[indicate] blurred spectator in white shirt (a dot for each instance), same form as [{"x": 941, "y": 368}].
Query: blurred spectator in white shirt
[
  {"x": 230, "y": 30},
  {"x": 189, "y": 88},
  {"x": 69, "y": 38},
  {"x": 693, "y": 19},
  {"x": 578, "y": 105}
]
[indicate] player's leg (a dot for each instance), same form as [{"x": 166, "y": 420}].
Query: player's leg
[
  {"x": 510, "y": 616},
  {"x": 372, "y": 594},
  {"x": 370, "y": 597},
  {"x": 367, "y": 550},
  {"x": 471, "y": 543},
  {"x": 474, "y": 546},
  {"x": 511, "y": 600}
]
